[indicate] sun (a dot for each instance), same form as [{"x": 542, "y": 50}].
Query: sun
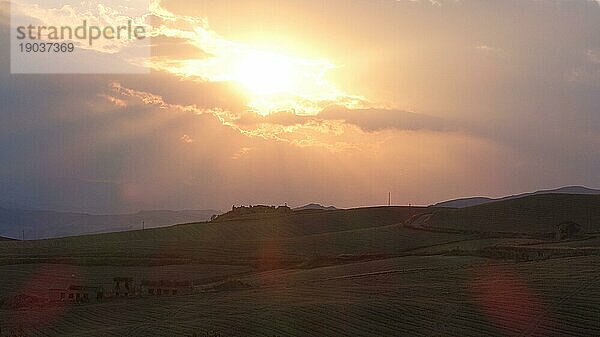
[
  {"x": 264, "y": 74},
  {"x": 277, "y": 82},
  {"x": 269, "y": 81}
]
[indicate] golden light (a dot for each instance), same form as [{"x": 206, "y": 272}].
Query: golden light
[
  {"x": 266, "y": 74},
  {"x": 279, "y": 82},
  {"x": 271, "y": 81}
]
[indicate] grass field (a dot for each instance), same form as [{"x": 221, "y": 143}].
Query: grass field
[
  {"x": 363, "y": 272},
  {"x": 533, "y": 214}
]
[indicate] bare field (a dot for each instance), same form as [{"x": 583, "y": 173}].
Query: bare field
[
  {"x": 403, "y": 296},
  {"x": 36, "y": 279},
  {"x": 361, "y": 272}
]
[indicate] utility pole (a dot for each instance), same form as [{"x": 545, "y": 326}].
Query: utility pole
[
  {"x": 389, "y": 198},
  {"x": 23, "y": 235},
  {"x": 143, "y": 225}
]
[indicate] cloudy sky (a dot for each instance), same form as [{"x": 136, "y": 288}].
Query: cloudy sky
[{"x": 336, "y": 102}]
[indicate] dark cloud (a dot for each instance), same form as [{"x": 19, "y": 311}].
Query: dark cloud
[
  {"x": 223, "y": 95},
  {"x": 284, "y": 118},
  {"x": 371, "y": 120},
  {"x": 368, "y": 120},
  {"x": 175, "y": 48}
]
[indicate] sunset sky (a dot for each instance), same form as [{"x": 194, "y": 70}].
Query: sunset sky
[{"x": 336, "y": 102}]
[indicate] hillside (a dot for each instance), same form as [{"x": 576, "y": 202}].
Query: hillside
[
  {"x": 315, "y": 206},
  {"x": 530, "y": 214},
  {"x": 49, "y": 224},
  {"x": 383, "y": 271},
  {"x": 474, "y": 201},
  {"x": 288, "y": 239}
]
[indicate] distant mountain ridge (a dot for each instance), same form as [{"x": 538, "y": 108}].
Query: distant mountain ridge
[
  {"x": 533, "y": 214},
  {"x": 315, "y": 206},
  {"x": 474, "y": 201},
  {"x": 49, "y": 224}
]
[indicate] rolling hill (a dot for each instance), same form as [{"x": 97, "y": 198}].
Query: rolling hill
[
  {"x": 474, "y": 201},
  {"x": 315, "y": 206},
  {"x": 382, "y": 271},
  {"x": 49, "y": 224},
  {"x": 251, "y": 240},
  {"x": 537, "y": 213}
]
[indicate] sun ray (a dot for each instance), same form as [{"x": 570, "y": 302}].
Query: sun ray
[{"x": 272, "y": 81}]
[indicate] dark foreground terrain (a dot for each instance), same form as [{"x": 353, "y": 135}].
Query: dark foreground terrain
[{"x": 494, "y": 269}]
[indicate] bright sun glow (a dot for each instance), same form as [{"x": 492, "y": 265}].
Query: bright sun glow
[
  {"x": 272, "y": 81},
  {"x": 267, "y": 74},
  {"x": 276, "y": 82}
]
